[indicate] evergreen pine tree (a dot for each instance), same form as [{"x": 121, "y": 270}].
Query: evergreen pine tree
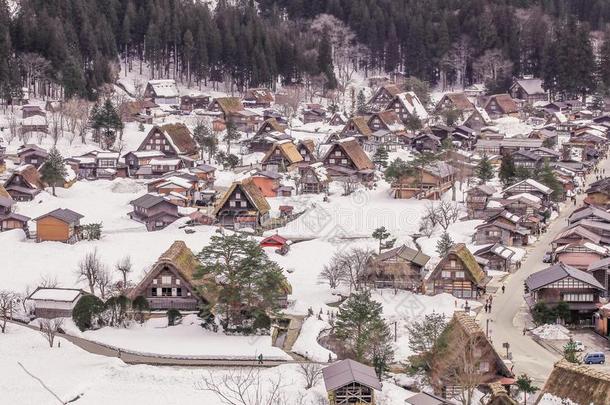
[
  {"x": 361, "y": 102},
  {"x": 484, "y": 170},
  {"x": 231, "y": 134},
  {"x": 603, "y": 65},
  {"x": 105, "y": 118},
  {"x": 526, "y": 386},
  {"x": 507, "y": 170},
  {"x": 444, "y": 244},
  {"x": 380, "y": 158},
  {"x": 381, "y": 234},
  {"x": 548, "y": 178},
  {"x": 325, "y": 61},
  {"x": 53, "y": 171}
]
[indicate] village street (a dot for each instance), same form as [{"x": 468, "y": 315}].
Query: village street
[{"x": 509, "y": 313}]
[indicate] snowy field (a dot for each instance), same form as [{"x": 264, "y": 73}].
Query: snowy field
[{"x": 70, "y": 372}]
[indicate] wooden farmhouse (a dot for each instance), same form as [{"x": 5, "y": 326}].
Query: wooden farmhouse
[
  {"x": 598, "y": 193},
  {"x": 350, "y": 382},
  {"x": 226, "y": 107},
  {"x": 173, "y": 140},
  {"x": 162, "y": 91},
  {"x": 498, "y": 257},
  {"x": 357, "y": 128},
  {"x": 580, "y": 254},
  {"x": 313, "y": 179},
  {"x": 504, "y": 228},
  {"x": 407, "y": 105},
  {"x": 269, "y": 132},
  {"x": 458, "y": 273},
  {"x": 346, "y": 158},
  {"x": 526, "y": 159},
  {"x": 259, "y": 98},
  {"x": 427, "y": 142},
  {"x": 281, "y": 157},
  {"x": 401, "y": 267},
  {"x": 12, "y": 221},
  {"x": 54, "y": 302},
  {"x": 314, "y": 113},
  {"x": 466, "y": 345},
  {"x": 388, "y": 120},
  {"x": 529, "y": 90},
  {"x": 307, "y": 148},
  {"x": 455, "y": 101},
  {"x": 170, "y": 283},
  {"x": 563, "y": 283},
  {"x": 477, "y": 199},
  {"x": 601, "y": 271},
  {"x": 142, "y": 111},
  {"x": 477, "y": 119},
  {"x": 382, "y": 97},
  {"x": 500, "y": 105},
  {"x": 578, "y": 384},
  {"x": 337, "y": 119},
  {"x": 154, "y": 211},
  {"x": 242, "y": 206},
  {"x": 24, "y": 183},
  {"x": 6, "y": 202},
  {"x": 194, "y": 102},
  {"x": 136, "y": 159},
  {"x": 60, "y": 225},
  {"x": 32, "y": 155},
  {"x": 433, "y": 180},
  {"x": 532, "y": 187}
]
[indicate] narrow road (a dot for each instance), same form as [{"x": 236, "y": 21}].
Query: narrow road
[
  {"x": 509, "y": 312},
  {"x": 165, "y": 360}
]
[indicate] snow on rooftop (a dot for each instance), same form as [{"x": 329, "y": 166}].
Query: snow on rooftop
[{"x": 55, "y": 294}]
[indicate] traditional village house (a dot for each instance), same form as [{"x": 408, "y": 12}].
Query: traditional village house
[
  {"x": 177, "y": 189},
  {"x": 337, "y": 119},
  {"x": 400, "y": 267},
  {"x": 500, "y": 105},
  {"x": 455, "y": 101},
  {"x": 153, "y": 211},
  {"x": 383, "y": 96},
  {"x": 174, "y": 140},
  {"x": 601, "y": 271},
  {"x": 35, "y": 123},
  {"x": 285, "y": 191},
  {"x": 170, "y": 283},
  {"x": 465, "y": 136},
  {"x": 24, "y": 183},
  {"x": 476, "y": 200},
  {"x": 281, "y": 157},
  {"x": 6, "y": 202},
  {"x": 563, "y": 283},
  {"x": 346, "y": 158},
  {"x": 159, "y": 167},
  {"x": 226, "y": 107},
  {"x": 598, "y": 193},
  {"x": 55, "y": 302},
  {"x": 477, "y": 119},
  {"x": 458, "y": 273},
  {"x": 357, "y": 128},
  {"x": 60, "y": 225},
  {"x": 194, "y": 102},
  {"x": 270, "y": 131},
  {"x": 502, "y": 228},
  {"x": 350, "y": 382},
  {"x": 387, "y": 120},
  {"x": 242, "y": 206},
  {"x": 591, "y": 213},
  {"x": 577, "y": 383},
  {"x": 441, "y": 131},
  {"x": 546, "y": 154},
  {"x": 527, "y": 160},
  {"x": 580, "y": 254},
  {"x": 548, "y": 137},
  {"x": 467, "y": 351},
  {"x": 12, "y": 220},
  {"x": 138, "y": 111},
  {"x": 498, "y": 257},
  {"x": 510, "y": 145},
  {"x": 313, "y": 179},
  {"x": 499, "y": 395},
  {"x": 259, "y": 98},
  {"x": 314, "y": 113},
  {"x": 28, "y": 111},
  {"x": 529, "y": 90},
  {"x": 32, "y": 155},
  {"x": 307, "y": 148},
  {"x": 268, "y": 182},
  {"x": 573, "y": 234},
  {"x": 407, "y": 105},
  {"x": 487, "y": 147},
  {"x": 247, "y": 120},
  {"x": 275, "y": 241},
  {"x": 426, "y": 142},
  {"x": 532, "y": 187},
  {"x": 108, "y": 166},
  {"x": 524, "y": 205},
  {"x": 206, "y": 175},
  {"x": 162, "y": 91},
  {"x": 431, "y": 183},
  {"x": 136, "y": 159}
]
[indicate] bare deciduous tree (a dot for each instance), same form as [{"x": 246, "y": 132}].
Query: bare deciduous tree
[
  {"x": 312, "y": 373},
  {"x": 8, "y": 304},
  {"x": 124, "y": 267},
  {"x": 104, "y": 280},
  {"x": 491, "y": 64},
  {"x": 444, "y": 214},
  {"x": 89, "y": 269},
  {"x": 49, "y": 328},
  {"x": 353, "y": 264},
  {"x": 48, "y": 281},
  {"x": 333, "y": 273},
  {"x": 244, "y": 387}
]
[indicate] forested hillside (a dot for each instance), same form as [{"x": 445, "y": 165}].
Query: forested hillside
[{"x": 80, "y": 45}]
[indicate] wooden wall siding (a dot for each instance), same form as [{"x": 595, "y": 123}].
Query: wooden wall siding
[
  {"x": 50, "y": 313},
  {"x": 52, "y": 229},
  {"x": 580, "y": 260}
]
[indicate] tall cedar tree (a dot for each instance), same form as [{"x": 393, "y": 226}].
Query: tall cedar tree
[
  {"x": 232, "y": 134},
  {"x": 548, "y": 178},
  {"x": 105, "y": 118},
  {"x": 325, "y": 61},
  {"x": 251, "y": 282},
  {"x": 381, "y": 234},
  {"x": 444, "y": 244},
  {"x": 603, "y": 64},
  {"x": 359, "y": 324},
  {"x": 507, "y": 170},
  {"x": 205, "y": 138},
  {"x": 380, "y": 158},
  {"x": 53, "y": 171},
  {"x": 484, "y": 170}
]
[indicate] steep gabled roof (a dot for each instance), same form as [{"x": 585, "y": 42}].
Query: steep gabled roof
[
  {"x": 360, "y": 124},
  {"x": 347, "y": 371},
  {"x": 252, "y": 192},
  {"x": 530, "y": 86},
  {"x": 468, "y": 260},
  {"x": 355, "y": 152},
  {"x": 259, "y": 95},
  {"x": 148, "y": 201},
  {"x": 533, "y": 183},
  {"x": 63, "y": 214},
  {"x": 288, "y": 150},
  {"x": 459, "y": 100},
  {"x": 30, "y": 174},
  {"x": 411, "y": 103},
  {"x": 275, "y": 125},
  {"x": 580, "y": 231},
  {"x": 181, "y": 137},
  {"x": 230, "y": 104},
  {"x": 505, "y": 102},
  {"x": 558, "y": 272},
  {"x": 578, "y": 383}
]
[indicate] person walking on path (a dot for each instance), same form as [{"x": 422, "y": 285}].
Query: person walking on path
[
  {"x": 486, "y": 306},
  {"x": 503, "y": 289},
  {"x": 119, "y": 353},
  {"x": 260, "y": 358}
]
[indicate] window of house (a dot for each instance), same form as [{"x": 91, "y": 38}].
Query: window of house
[
  {"x": 459, "y": 274},
  {"x": 159, "y": 224},
  {"x": 243, "y": 204},
  {"x": 178, "y": 292},
  {"x": 446, "y": 274},
  {"x": 344, "y": 161},
  {"x": 166, "y": 292},
  {"x": 177, "y": 281},
  {"x": 232, "y": 203},
  {"x": 153, "y": 292},
  {"x": 155, "y": 281},
  {"x": 166, "y": 279},
  {"x": 238, "y": 195},
  {"x": 337, "y": 153},
  {"x": 452, "y": 264},
  {"x": 331, "y": 161},
  {"x": 484, "y": 367}
]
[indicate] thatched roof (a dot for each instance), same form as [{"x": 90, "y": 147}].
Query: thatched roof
[
  {"x": 505, "y": 102},
  {"x": 405, "y": 252},
  {"x": 181, "y": 138},
  {"x": 579, "y": 383},
  {"x": 355, "y": 152},
  {"x": 31, "y": 175},
  {"x": 459, "y": 101},
  {"x": 309, "y": 144},
  {"x": 275, "y": 126},
  {"x": 468, "y": 261},
  {"x": 252, "y": 192},
  {"x": 229, "y": 104},
  {"x": 360, "y": 124},
  {"x": 259, "y": 95},
  {"x": 287, "y": 149},
  {"x": 4, "y": 193},
  {"x": 499, "y": 396}
]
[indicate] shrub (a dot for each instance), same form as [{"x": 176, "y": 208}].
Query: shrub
[
  {"x": 139, "y": 306},
  {"x": 173, "y": 315},
  {"x": 87, "y": 312}
]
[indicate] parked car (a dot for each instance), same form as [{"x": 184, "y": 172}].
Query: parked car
[
  {"x": 580, "y": 347},
  {"x": 548, "y": 257},
  {"x": 594, "y": 358}
]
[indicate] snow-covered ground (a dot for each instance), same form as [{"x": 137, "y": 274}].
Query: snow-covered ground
[
  {"x": 552, "y": 332},
  {"x": 70, "y": 372}
]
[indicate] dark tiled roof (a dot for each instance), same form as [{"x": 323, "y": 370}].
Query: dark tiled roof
[
  {"x": 147, "y": 201},
  {"x": 63, "y": 214},
  {"x": 347, "y": 371},
  {"x": 558, "y": 272}
]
